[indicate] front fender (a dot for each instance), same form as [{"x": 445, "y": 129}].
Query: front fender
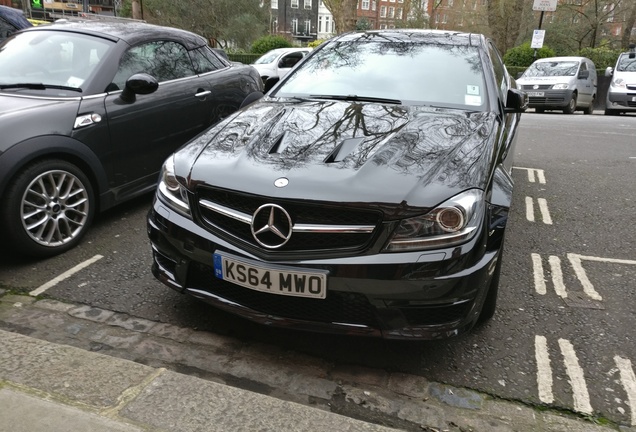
[{"x": 55, "y": 146}]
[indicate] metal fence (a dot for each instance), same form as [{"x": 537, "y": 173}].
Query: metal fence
[{"x": 243, "y": 58}]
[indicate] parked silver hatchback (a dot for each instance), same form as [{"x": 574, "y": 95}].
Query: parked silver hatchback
[{"x": 561, "y": 83}]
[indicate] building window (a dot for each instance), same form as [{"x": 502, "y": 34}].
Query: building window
[
  {"x": 274, "y": 4},
  {"x": 383, "y": 11},
  {"x": 307, "y": 27},
  {"x": 320, "y": 24},
  {"x": 398, "y": 15},
  {"x": 327, "y": 25},
  {"x": 307, "y": 4},
  {"x": 391, "y": 12},
  {"x": 373, "y": 5},
  {"x": 294, "y": 4},
  {"x": 450, "y": 3},
  {"x": 365, "y": 4},
  {"x": 275, "y": 25},
  {"x": 295, "y": 26},
  {"x": 382, "y": 26}
]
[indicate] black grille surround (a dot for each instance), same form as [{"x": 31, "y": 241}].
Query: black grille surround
[{"x": 237, "y": 230}]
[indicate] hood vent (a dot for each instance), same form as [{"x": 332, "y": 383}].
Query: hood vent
[
  {"x": 344, "y": 149},
  {"x": 279, "y": 145}
]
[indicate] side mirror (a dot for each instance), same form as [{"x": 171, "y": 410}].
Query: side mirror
[
  {"x": 584, "y": 74},
  {"x": 609, "y": 71},
  {"x": 140, "y": 83},
  {"x": 270, "y": 83},
  {"x": 516, "y": 101}
]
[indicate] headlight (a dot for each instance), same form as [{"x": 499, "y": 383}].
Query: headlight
[
  {"x": 560, "y": 86},
  {"x": 169, "y": 187},
  {"x": 451, "y": 223},
  {"x": 619, "y": 82}
]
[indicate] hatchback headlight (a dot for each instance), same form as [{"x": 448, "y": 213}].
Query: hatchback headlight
[
  {"x": 560, "y": 86},
  {"x": 175, "y": 193},
  {"x": 451, "y": 223}
]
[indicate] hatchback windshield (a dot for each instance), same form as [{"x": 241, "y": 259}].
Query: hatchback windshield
[
  {"x": 268, "y": 57},
  {"x": 544, "y": 69},
  {"x": 50, "y": 58},
  {"x": 419, "y": 73}
]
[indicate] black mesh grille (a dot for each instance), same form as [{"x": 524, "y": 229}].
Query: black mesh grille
[
  {"x": 432, "y": 315},
  {"x": 541, "y": 87},
  {"x": 300, "y": 212},
  {"x": 340, "y": 307}
]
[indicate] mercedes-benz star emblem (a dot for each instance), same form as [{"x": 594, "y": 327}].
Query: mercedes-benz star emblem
[
  {"x": 535, "y": 87},
  {"x": 271, "y": 226}
]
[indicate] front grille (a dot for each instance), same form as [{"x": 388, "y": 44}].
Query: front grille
[
  {"x": 341, "y": 307},
  {"x": 545, "y": 100},
  {"x": 307, "y": 213}
]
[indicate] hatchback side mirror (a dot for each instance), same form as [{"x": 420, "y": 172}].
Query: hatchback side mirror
[
  {"x": 140, "y": 83},
  {"x": 609, "y": 71}
]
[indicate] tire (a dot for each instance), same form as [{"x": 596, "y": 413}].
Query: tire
[
  {"x": 539, "y": 110},
  {"x": 49, "y": 206},
  {"x": 590, "y": 109},
  {"x": 490, "y": 303},
  {"x": 611, "y": 112},
  {"x": 571, "y": 106}
]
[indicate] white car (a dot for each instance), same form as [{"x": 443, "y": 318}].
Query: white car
[{"x": 277, "y": 62}]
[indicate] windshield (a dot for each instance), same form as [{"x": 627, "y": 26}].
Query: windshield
[
  {"x": 626, "y": 64},
  {"x": 268, "y": 57},
  {"x": 551, "y": 68},
  {"x": 51, "y": 58},
  {"x": 406, "y": 72}
]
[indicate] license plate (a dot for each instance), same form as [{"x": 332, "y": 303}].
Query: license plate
[
  {"x": 536, "y": 94},
  {"x": 271, "y": 278}
]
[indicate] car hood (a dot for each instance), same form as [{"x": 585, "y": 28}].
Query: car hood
[
  {"x": 390, "y": 155},
  {"x": 544, "y": 80},
  {"x": 25, "y": 117}
]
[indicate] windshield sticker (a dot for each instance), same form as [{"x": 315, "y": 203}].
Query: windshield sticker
[
  {"x": 472, "y": 90},
  {"x": 472, "y": 100}
]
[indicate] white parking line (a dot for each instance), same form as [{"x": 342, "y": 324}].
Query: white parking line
[
  {"x": 545, "y": 213},
  {"x": 539, "y": 280},
  {"x": 588, "y": 288},
  {"x": 629, "y": 383},
  {"x": 544, "y": 371},
  {"x": 577, "y": 379},
  {"x": 531, "y": 174},
  {"x": 64, "y": 275},
  {"x": 557, "y": 276},
  {"x": 529, "y": 209}
]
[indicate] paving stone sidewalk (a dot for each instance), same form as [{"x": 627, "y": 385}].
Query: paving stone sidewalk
[{"x": 62, "y": 363}]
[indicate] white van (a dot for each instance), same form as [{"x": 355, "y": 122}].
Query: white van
[
  {"x": 566, "y": 84},
  {"x": 621, "y": 95}
]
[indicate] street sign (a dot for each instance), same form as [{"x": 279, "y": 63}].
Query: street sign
[
  {"x": 544, "y": 5},
  {"x": 537, "y": 39}
]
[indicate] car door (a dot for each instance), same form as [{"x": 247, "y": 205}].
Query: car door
[
  {"x": 144, "y": 132},
  {"x": 288, "y": 61},
  {"x": 584, "y": 84}
]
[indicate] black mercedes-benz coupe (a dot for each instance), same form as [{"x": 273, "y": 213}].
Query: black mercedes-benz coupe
[
  {"x": 90, "y": 110},
  {"x": 366, "y": 193}
]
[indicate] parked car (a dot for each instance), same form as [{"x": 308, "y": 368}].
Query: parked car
[
  {"x": 277, "y": 62},
  {"x": 566, "y": 84},
  {"x": 11, "y": 20},
  {"x": 89, "y": 112},
  {"x": 359, "y": 196},
  {"x": 621, "y": 95}
]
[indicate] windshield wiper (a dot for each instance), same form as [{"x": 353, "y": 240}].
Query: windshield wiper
[
  {"x": 356, "y": 98},
  {"x": 38, "y": 86}
]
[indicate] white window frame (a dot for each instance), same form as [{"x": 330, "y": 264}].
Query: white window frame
[
  {"x": 365, "y": 4},
  {"x": 294, "y": 28},
  {"x": 382, "y": 11},
  {"x": 308, "y": 4},
  {"x": 294, "y": 4}
]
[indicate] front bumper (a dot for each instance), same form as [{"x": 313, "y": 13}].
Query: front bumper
[
  {"x": 557, "y": 99},
  {"x": 621, "y": 101},
  {"x": 415, "y": 295}
]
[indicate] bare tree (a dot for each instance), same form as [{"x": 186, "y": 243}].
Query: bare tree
[
  {"x": 504, "y": 20},
  {"x": 630, "y": 8},
  {"x": 344, "y": 13}
]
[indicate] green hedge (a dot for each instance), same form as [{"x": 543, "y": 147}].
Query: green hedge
[{"x": 244, "y": 58}]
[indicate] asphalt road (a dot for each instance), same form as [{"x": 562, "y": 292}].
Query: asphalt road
[{"x": 563, "y": 333}]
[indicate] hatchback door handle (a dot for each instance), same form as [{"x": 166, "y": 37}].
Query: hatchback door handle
[{"x": 203, "y": 93}]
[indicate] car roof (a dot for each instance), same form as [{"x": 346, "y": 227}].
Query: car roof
[
  {"x": 131, "y": 32},
  {"x": 562, "y": 58},
  {"x": 433, "y": 36},
  {"x": 15, "y": 17}
]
